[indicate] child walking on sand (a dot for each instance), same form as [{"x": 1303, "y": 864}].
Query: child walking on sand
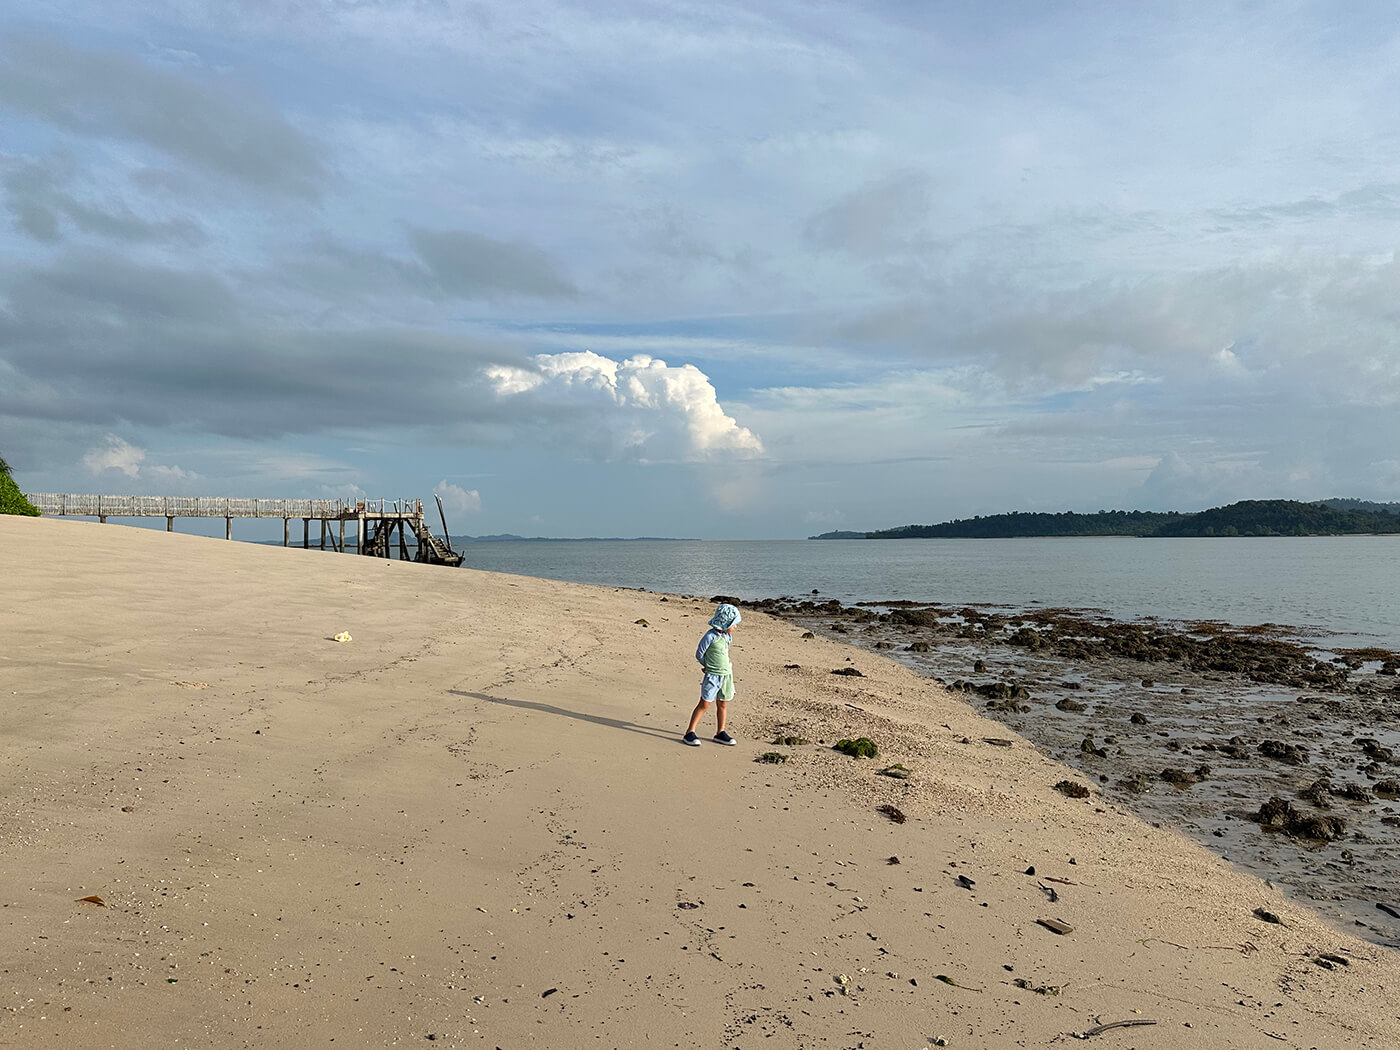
[{"x": 717, "y": 684}]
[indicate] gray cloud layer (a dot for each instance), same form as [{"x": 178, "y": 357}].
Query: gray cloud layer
[
  {"x": 102, "y": 94},
  {"x": 471, "y": 266},
  {"x": 41, "y": 202},
  {"x": 96, "y": 339}
]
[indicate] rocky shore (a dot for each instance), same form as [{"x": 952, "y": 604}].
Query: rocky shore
[{"x": 1283, "y": 758}]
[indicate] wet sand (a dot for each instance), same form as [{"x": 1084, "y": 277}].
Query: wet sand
[{"x": 474, "y": 825}]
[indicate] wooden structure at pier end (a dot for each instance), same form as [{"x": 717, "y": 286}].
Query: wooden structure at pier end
[{"x": 376, "y": 521}]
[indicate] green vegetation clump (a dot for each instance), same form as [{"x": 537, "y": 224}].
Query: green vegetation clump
[
  {"x": 12, "y": 500},
  {"x": 861, "y": 747},
  {"x": 773, "y": 758}
]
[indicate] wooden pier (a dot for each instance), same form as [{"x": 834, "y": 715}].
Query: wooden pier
[{"x": 375, "y": 521}]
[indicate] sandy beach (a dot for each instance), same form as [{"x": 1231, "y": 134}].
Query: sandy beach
[{"x": 474, "y": 825}]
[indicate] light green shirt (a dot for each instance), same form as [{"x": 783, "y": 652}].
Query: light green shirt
[{"x": 713, "y": 653}]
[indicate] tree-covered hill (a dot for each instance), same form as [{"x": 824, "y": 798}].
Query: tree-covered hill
[
  {"x": 1068, "y": 523},
  {"x": 1362, "y": 504},
  {"x": 1272, "y": 517},
  {"x": 1281, "y": 517}
]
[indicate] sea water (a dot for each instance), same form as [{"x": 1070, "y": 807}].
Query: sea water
[{"x": 1340, "y": 591}]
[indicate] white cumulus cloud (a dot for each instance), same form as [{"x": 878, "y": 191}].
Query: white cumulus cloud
[
  {"x": 640, "y": 408},
  {"x": 116, "y": 454},
  {"x": 119, "y": 455},
  {"x": 457, "y": 499}
]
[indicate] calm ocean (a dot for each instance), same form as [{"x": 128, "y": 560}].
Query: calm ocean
[{"x": 1323, "y": 587}]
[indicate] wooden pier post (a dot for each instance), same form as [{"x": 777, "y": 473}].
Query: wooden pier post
[
  {"x": 342, "y": 536},
  {"x": 228, "y": 528},
  {"x": 306, "y": 534},
  {"x": 360, "y": 534},
  {"x": 169, "y": 523},
  {"x": 102, "y": 519},
  {"x": 323, "y": 533},
  {"x": 286, "y": 532}
]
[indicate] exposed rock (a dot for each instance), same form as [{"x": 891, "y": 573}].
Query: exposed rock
[
  {"x": 1375, "y": 752},
  {"x": 917, "y": 617},
  {"x": 996, "y": 690},
  {"x": 861, "y": 747},
  {"x": 1138, "y": 719},
  {"x": 1291, "y": 754},
  {"x": 1014, "y": 706},
  {"x": 1069, "y": 705},
  {"x": 1319, "y": 793},
  {"x": 1071, "y": 789},
  {"x": 1282, "y": 816},
  {"x": 1181, "y": 778},
  {"x": 1028, "y": 637},
  {"x": 1354, "y": 793},
  {"x": 917, "y": 647}
]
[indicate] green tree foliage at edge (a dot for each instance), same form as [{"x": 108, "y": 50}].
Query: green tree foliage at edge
[{"x": 12, "y": 500}]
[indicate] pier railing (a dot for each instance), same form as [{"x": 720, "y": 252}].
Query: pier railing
[
  {"x": 374, "y": 520},
  {"x": 58, "y": 504}
]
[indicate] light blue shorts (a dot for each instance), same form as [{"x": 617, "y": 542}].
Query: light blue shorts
[{"x": 717, "y": 687}]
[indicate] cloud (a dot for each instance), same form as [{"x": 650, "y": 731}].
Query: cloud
[
  {"x": 40, "y": 201},
  {"x": 457, "y": 499},
  {"x": 191, "y": 118},
  {"x": 640, "y": 409},
  {"x": 876, "y": 219},
  {"x": 117, "y": 455},
  {"x": 1196, "y": 482},
  {"x": 99, "y": 338},
  {"x": 473, "y": 266}
]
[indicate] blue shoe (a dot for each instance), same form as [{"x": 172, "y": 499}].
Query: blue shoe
[
  {"x": 691, "y": 739},
  {"x": 724, "y": 738}
]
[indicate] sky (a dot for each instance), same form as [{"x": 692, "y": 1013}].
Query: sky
[{"x": 702, "y": 269}]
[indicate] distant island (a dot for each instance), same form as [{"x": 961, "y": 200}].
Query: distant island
[{"x": 1270, "y": 517}]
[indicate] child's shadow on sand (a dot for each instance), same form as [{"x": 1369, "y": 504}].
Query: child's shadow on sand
[{"x": 550, "y": 709}]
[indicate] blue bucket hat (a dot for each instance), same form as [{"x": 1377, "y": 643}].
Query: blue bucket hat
[{"x": 725, "y": 617}]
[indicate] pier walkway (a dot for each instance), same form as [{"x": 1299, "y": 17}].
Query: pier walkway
[{"x": 375, "y": 521}]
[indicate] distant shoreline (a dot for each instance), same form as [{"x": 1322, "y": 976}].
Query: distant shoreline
[{"x": 1335, "y": 517}]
